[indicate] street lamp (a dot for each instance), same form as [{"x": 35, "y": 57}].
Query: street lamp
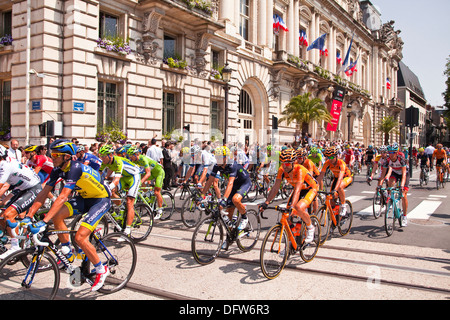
[
  {"x": 226, "y": 76},
  {"x": 349, "y": 114}
]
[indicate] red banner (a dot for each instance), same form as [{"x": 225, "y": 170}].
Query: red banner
[{"x": 336, "y": 107}]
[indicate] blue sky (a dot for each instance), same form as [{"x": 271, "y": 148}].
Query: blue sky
[{"x": 425, "y": 30}]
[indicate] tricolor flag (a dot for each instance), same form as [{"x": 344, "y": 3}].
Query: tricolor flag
[
  {"x": 319, "y": 43},
  {"x": 278, "y": 23},
  {"x": 347, "y": 57},
  {"x": 302, "y": 38},
  {"x": 338, "y": 57},
  {"x": 388, "y": 84},
  {"x": 351, "y": 68}
]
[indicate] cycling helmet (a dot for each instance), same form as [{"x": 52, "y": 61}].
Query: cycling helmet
[
  {"x": 370, "y": 147},
  {"x": 80, "y": 149},
  {"x": 314, "y": 150},
  {"x": 288, "y": 155},
  {"x": 30, "y": 148},
  {"x": 393, "y": 147},
  {"x": 195, "y": 149},
  {"x": 64, "y": 146},
  {"x": 301, "y": 152},
  {"x": 133, "y": 150},
  {"x": 222, "y": 151},
  {"x": 421, "y": 149},
  {"x": 330, "y": 151},
  {"x": 439, "y": 146},
  {"x": 269, "y": 147},
  {"x": 382, "y": 149},
  {"x": 106, "y": 150},
  {"x": 185, "y": 150}
]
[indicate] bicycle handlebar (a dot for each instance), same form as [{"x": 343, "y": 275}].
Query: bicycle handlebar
[{"x": 13, "y": 226}]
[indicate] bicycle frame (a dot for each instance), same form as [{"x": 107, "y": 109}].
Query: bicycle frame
[
  {"x": 285, "y": 226},
  {"x": 394, "y": 196}
]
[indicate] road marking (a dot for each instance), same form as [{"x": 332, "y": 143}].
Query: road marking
[
  {"x": 371, "y": 192},
  {"x": 424, "y": 210},
  {"x": 437, "y": 196},
  {"x": 365, "y": 212},
  {"x": 354, "y": 199}
]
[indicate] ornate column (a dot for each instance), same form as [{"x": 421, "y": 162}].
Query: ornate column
[
  {"x": 269, "y": 23},
  {"x": 295, "y": 32},
  {"x": 290, "y": 25},
  {"x": 262, "y": 21}
]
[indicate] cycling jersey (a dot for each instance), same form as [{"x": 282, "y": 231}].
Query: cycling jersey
[
  {"x": 317, "y": 160},
  {"x": 157, "y": 170},
  {"x": 340, "y": 166},
  {"x": 44, "y": 162},
  {"x": 91, "y": 160},
  {"x": 423, "y": 158},
  {"x": 242, "y": 182},
  {"x": 370, "y": 154},
  {"x": 17, "y": 175},
  {"x": 396, "y": 165},
  {"x": 121, "y": 166},
  {"x": 300, "y": 174},
  {"x": 308, "y": 164},
  {"x": 82, "y": 178},
  {"x": 348, "y": 155},
  {"x": 439, "y": 154}
]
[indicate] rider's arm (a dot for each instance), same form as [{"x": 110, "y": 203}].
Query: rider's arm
[
  {"x": 273, "y": 192},
  {"x": 148, "y": 173},
  {"x": 227, "y": 192},
  {"x": 39, "y": 201},
  {"x": 57, "y": 205}
]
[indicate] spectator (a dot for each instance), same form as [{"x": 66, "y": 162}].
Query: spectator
[
  {"x": 167, "y": 164},
  {"x": 154, "y": 152},
  {"x": 14, "y": 152}
]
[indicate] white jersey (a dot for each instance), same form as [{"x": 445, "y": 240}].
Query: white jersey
[{"x": 18, "y": 175}]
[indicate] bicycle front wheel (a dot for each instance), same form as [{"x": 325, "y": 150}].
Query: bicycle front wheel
[
  {"x": 274, "y": 252},
  {"x": 38, "y": 281},
  {"x": 168, "y": 205},
  {"x": 309, "y": 250},
  {"x": 389, "y": 218},
  {"x": 345, "y": 221},
  {"x": 142, "y": 223},
  {"x": 190, "y": 213},
  {"x": 378, "y": 204},
  {"x": 324, "y": 223},
  {"x": 117, "y": 252},
  {"x": 207, "y": 240},
  {"x": 250, "y": 235}
]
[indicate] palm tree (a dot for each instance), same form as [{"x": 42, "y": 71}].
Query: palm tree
[
  {"x": 388, "y": 125},
  {"x": 304, "y": 110}
]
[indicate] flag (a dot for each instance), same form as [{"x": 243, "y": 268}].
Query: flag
[
  {"x": 351, "y": 68},
  {"x": 347, "y": 57},
  {"x": 338, "y": 57},
  {"x": 302, "y": 38},
  {"x": 278, "y": 23},
  {"x": 319, "y": 43},
  {"x": 388, "y": 84}
]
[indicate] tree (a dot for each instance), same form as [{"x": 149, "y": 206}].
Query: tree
[
  {"x": 446, "y": 94},
  {"x": 304, "y": 110},
  {"x": 388, "y": 125}
]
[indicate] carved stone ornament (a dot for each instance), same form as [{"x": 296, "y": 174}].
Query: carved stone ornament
[
  {"x": 201, "y": 45},
  {"x": 147, "y": 46}
]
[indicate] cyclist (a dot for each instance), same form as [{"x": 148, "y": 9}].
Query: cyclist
[
  {"x": 423, "y": 160},
  {"x": 378, "y": 161},
  {"x": 349, "y": 156},
  {"x": 300, "y": 198},
  {"x": 316, "y": 157},
  {"x": 153, "y": 171},
  {"x": 41, "y": 164},
  {"x": 441, "y": 159},
  {"x": 88, "y": 158},
  {"x": 93, "y": 198},
  {"x": 239, "y": 184},
  {"x": 126, "y": 176},
  {"x": 397, "y": 170},
  {"x": 368, "y": 157},
  {"x": 312, "y": 169},
  {"x": 342, "y": 175},
  {"x": 25, "y": 185}
]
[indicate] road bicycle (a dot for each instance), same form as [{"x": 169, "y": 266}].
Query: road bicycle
[
  {"x": 379, "y": 202},
  {"x": 191, "y": 213},
  {"x": 147, "y": 196},
  {"x": 285, "y": 239},
  {"x": 424, "y": 175},
  {"x": 369, "y": 170},
  {"x": 394, "y": 211},
  {"x": 440, "y": 181},
  {"x": 258, "y": 187},
  {"x": 208, "y": 237},
  {"x": 33, "y": 273},
  {"x": 329, "y": 215}
]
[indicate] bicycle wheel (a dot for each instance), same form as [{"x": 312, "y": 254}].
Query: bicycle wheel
[
  {"x": 168, "y": 205},
  {"x": 253, "y": 192},
  {"x": 250, "y": 235},
  {"x": 117, "y": 252},
  {"x": 190, "y": 213},
  {"x": 274, "y": 252},
  {"x": 378, "y": 204},
  {"x": 389, "y": 218},
  {"x": 324, "y": 223},
  {"x": 345, "y": 221},
  {"x": 142, "y": 223},
  {"x": 207, "y": 240},
  {"x": 309, "y": 250},
  {"x": 19, "y": 283}
]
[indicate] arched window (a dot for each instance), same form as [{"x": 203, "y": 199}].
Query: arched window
[{"x": 245, "y": 103}]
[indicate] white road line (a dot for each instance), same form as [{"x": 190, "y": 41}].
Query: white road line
[
  {"x": 424, "y": 210},
  {"x": 365, "y": 212},
  {"x": 437, "y": 196},
  {"x": 354, "y": 199}
]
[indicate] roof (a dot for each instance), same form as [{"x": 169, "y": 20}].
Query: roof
[{"x": 407, "y": 78}]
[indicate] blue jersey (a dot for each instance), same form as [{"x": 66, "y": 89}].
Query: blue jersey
[
  {"x": 91, "y": 160},
  {"x": 233, "y": 170}
]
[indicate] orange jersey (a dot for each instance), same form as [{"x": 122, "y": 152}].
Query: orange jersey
[
  {"x": 299, "y": 174},
  {"x": 439, "y": 154},
  {"x": 308, "y": 164},
  {"x": 336, "y": 169}
]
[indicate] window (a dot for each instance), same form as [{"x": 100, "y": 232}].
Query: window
[
  {"x": 215, "y": 115},
  {"x": 7, "y": 23},
  {"x": 169, "y": 112},
  {"x": 107, "y": 105},
  {"x": 245, "y": 103},
  {"x": 244, "y": 19},
  {"x": 215, "y": 59},
  {"x": 170, "y": 47},
  {"x": 5, "y": 105},
  {"x": 109, "y": 25}
]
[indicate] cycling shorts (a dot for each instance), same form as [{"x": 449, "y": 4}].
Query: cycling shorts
[
  {"x": 346, "y": 181},
  {"x": 241, "y": 189},
  {"x": 94, "y": 207},
  {"x": 158, "y": 175},
  {"x": 398, "y": 178},
  {"x": 130, "y": 184},
  {"x": 23, "y": 199}
]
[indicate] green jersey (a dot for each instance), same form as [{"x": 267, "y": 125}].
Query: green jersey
[{"x": 121, "y": 166}]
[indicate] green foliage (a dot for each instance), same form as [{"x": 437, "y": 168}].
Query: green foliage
[
  {"x": 388, "y": 125},
  {"x": 112, "y": 133}
]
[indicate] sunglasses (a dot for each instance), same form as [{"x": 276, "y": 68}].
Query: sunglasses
[
  {"x": 392, "y": 152},
  {"x": 57, "y": 154},
  {"x": 331, "y": 157}
]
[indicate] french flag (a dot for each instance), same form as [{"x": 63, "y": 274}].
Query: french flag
[
  {"x": 302, "y": 38},
  {"x": 338, "y": 57},
  {"x": 278, "y": 23},
  {"x": 351, "y": 68},
  {"x": 388, "y": 84}
]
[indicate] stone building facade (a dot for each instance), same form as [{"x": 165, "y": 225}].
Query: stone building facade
[{"x": 165, "y": 80}]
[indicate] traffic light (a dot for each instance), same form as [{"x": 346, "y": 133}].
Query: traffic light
[{"x": 274, "y": 123}]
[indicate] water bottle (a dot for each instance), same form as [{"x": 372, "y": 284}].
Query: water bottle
[
  {"x": 225, "y": 218},
  {"x": 80, "y": 254}
]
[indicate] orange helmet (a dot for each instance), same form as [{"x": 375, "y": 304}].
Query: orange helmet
[
  {"x": 330, "y": 151},
  {"x": 288, "y": 155}
]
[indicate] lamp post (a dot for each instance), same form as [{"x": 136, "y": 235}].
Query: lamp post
[
  {"x": 349, "y": 114},
  {"x": 226, "y": 76}
]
